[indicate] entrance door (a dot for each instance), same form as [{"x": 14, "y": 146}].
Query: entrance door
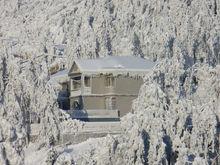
[{"x": 110, "y": 103}]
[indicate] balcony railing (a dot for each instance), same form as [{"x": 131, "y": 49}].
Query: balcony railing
[
  {"x": 76, "y": 93},
  {"x": 81, "y": 91}
]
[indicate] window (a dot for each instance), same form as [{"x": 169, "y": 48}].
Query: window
[
  {"x": 76, "y": 82},
  {"x": 109, "y": 81},
  {"x": 87, "y": 81}
]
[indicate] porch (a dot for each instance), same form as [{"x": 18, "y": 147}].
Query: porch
[{"x": 95, "y": 115}]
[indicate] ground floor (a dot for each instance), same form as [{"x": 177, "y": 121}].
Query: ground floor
[{"x": 121, "y": 103}]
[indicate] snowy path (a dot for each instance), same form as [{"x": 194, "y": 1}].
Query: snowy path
[
  {"x": 91, "y": 130},
  {"x": 88, "y": 130}
]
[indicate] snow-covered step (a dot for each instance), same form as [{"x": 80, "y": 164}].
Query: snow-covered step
[
  {"x": 81, "y": 137},
  {"x": 109, "y": 127},
  {"x": 95, "y": 114}
]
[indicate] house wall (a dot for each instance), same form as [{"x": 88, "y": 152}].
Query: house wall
[
  {"x": 98, "y": 85},
  {"x": 124, "y": 104},
  {"x": 90, "y": 102},
  {"x": 128, "y": 85},
  {"x": 122, "y": 85},
  {"x": 94, "y": 102},
  {"x": 125, "y": 90}
]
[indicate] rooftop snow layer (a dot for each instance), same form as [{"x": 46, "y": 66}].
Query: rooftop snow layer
[
  {"x": 62, "y": 73},
  {"x": 59, "y": 77},
  {"x": 114, "y": 63}
]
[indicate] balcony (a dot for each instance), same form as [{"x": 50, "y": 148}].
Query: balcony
[
  {"x": 75, "y": 93},
  {"x": 81, "y": 91}
]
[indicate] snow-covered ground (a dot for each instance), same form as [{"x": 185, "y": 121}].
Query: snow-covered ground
[{"x": 69, "y": 152}]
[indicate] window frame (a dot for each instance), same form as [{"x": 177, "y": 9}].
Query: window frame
[
  {"x": 76, "y": 82},
  {"x": 110, "y": 103},
  {"x": 109, "y": 81},
  {"x": 87, "y": 81}
]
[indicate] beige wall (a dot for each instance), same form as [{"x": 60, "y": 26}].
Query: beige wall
[
  {"x": 128, "y": 85},
  {"x": 93, "y": 102},
  {"x": 90, "y": 102},
  {"x": 123, "y": 85},
  {"x": 125, "y": 90},
  {"x": 123, "y": 103},
  {"x": 98, "y": 85}
]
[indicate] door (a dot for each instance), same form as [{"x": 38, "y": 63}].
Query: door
[{"x": 110, "y": 103}]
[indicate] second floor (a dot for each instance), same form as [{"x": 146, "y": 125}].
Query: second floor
[{"x": 104, "y": 84}]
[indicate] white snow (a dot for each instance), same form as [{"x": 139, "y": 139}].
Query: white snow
[
  {"x": 60, "y": 76},
  {"x": 115, "y": 63}
]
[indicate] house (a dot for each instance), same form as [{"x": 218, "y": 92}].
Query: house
[
  {"x": 59, "y": 50},
  {"x": 105, "y": 87}
]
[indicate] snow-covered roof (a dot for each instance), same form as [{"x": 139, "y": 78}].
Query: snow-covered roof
[
  {"x": 60, "y": 73},
  {"x": 59, "y": 77},
  {"x": 114, "y": 64}
]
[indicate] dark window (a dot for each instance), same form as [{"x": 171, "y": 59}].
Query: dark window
[
  {"x": 87, "y": 81},
  {"x": 76, "y": 105},
  {"x": 109, "y": 81}
]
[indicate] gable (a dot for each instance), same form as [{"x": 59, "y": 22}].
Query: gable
[{"x": 74, "y": 68}]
